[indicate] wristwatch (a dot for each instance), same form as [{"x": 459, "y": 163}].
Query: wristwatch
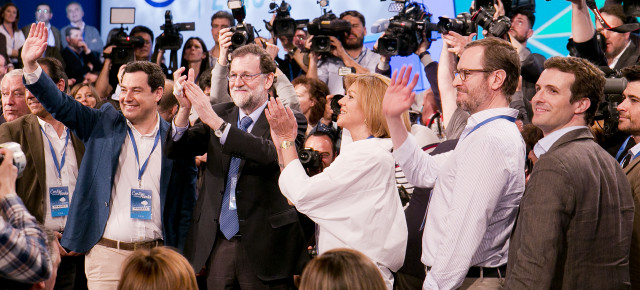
[
  {"x": 218, "y": 132},
  {"x": 286, "y": 144}
]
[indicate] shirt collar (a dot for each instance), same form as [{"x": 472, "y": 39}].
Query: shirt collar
[
  {"x": 617, "y": 58},
  {"x": 635, "y": 149},
  {"x": 254, "y": 115},
  {"x": 153, "y": 133},
  {"x": 545, "y": 143},
  {"x": 47, "y": 127}
]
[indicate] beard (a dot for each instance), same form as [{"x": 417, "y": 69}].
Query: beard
[
  {"x": 473, "y": 100},
  {"x": 356, "y": 44},
  {"x": 249, "y": 101}
]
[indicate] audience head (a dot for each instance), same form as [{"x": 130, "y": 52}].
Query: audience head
[
  {"x": 43, "y": 13},
  {"x": 160, "y": 268},
  {"x": 568, "y": 93},
  {"x": 86, "y": 94},
  {"x": 74, "y": 12},
  {"x": 195, "y": 52},
  {"x": 341, "y": 269},
  {"x": 204, "y": 82},
  {"x": 488, "y": 69},
  {"x": 323, "y": 143},
  {"x": 355, "y": 38},
  {"x": 219, "y": 20},
  {"x": 251, "y": 75},
  {"x": 10, "y": 14},
  {"x": 614, "y": 15},
  {"x": 362, "y": 105},
  {"x": 312, "y": 94},
  {"x": 168, "y": 106},
  {"x": 141, "y": 86},
  {"x": 300, "y": 38},
  {"x": 3, "y": 65},
  {"x": 54, "y": 69},
  {"x": 73, "y": 35},
  {"x": 629, "y": 109},
  {"x": 13, "y": 96},
  {"x": 143, "y": 52},
  {"x": 522, "y": 21}
]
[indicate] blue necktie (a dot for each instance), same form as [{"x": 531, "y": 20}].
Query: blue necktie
[{"x": 229, "y": 217}]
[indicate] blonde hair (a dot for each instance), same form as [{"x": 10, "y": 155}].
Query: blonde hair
[
  {"x": 341, "y": 269},
  {"x": 371, "y": 88},
  {"x": 160, "y": 268}
]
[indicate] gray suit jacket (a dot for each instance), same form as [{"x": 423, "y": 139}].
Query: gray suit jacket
[
  {"x": 575, "y": 221},
  {"x": 633, "y": 175}
]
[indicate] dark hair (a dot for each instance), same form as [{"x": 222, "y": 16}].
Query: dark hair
[
  {"x": 204, "y": 63},
  {"x": 54, "y": 70},
  {"x": 44, "y": 3},
  {"x": 14, "y": 24},
  {"x": 589, "y": 81},
  {"x": 318, "y": 92},
  {"x": 267, "y": 64},
  {"x": 322, "y": 133},
  {"x": 67, "y": 32},
  {"x": 204, "y": 81},
  {"x": 155, "y": 76},
  {"x": 526, "y": 12},
  {"x": 168, "y": 100},
  {"x": 631, "y": 73},
  {"x": 71, "y": 3},
  {"x": 223, "y": 14},
  {"x": 500, "y": 55},
  {"x": 354, "y": 14},
  {"x": 141, "y": 28},
  {"x": 616, "y": 11}
]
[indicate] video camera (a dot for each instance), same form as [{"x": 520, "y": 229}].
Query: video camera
[
  {"x": 171, "y": 38},
  {"x": 404, "y": 33},
  {"x": 613, "y": 88},
  {"x": 243, "y": 32},
  {"x": 325, "y": 26},
  {"x": 283, "y": 24},
  {"x": 123, "y": 52}
]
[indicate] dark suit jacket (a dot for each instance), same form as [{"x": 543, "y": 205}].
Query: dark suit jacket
[
  {"x": 575, "y": 221},
  {"x": 77, "y": 65},
  {"x": 32, "y": 187},
  {"x": 591, "y": 51},
  {"x": 103, "y": 132},
  {"x": 271, "y": 232},
  {"x": 633, "y": 175},
  {"x": 56, "y": 35}
]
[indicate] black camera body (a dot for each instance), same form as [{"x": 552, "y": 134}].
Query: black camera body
[
  {"x": 335, "y": 107},
  {"x": 607, "y": 110},
  {"x": 310, "y": 159},
  {"x": 404, "y": 34},
  {"x": 462, "y": 24},
  {"x": 283, "y": 25},
  {"x": 243, "y": 32},
  {"x": 325, "y": 26},
  {"x": 171, "y": 38},
  {"x": 498, "y": 27},
  {"x": 123, "y": 52}
]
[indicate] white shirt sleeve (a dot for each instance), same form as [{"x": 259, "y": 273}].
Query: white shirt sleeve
[{"x": 420, "y": 168}]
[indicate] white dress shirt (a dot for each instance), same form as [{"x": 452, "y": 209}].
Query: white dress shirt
[
  {"x": 69, "y": 173},
  {"x": 120, "y": 225},
  {"x": 543, "y": 145},
  {"x": 355, "y": 202},
  {"x": 474, "y": 204}
]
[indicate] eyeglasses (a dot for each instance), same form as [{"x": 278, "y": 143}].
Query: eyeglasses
[
  {"x": 244, "y": 77},
  {"x": 43, "y": 11},
  {"x": 464, "y": 73}
]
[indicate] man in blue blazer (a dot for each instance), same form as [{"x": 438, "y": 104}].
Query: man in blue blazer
[{"x": 128, "y": 195}]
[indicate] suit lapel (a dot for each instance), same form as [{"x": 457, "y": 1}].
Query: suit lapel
[
  {"x": 260, "y": 128},
  {"x": 582, "y": 133},
  {"x": 167, "y": 165},
  {"x": 231, "y": 117},
  {"x": 36, "y": 148},
  {"x": 631, "y": 165}
]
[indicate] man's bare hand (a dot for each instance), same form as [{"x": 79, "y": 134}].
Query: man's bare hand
[{"x": 34, "y": 46}]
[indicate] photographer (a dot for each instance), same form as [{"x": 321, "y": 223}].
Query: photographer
[
  {"x": 219, "y": 20},
  {"x": 23, "y": 254},
  {"x": 621, "y": 48},
  {"x": 349, "y": 52}
]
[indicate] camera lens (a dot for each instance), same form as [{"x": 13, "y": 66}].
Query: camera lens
[{"x": 239, "y": 38}]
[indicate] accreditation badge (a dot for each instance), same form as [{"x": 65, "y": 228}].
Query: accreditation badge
[
  {"x": 59, "y": 199},
  {"x": 140, "y": 204}
]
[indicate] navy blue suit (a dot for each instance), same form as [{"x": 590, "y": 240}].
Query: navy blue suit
[{"x": 103, "y": 133}]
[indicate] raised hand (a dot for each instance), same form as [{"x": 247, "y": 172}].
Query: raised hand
[
  {"x": 34, "y": 46},
  {"x": 399, "y": 95},
  {"x": 457, "y": 42},
  {"x": 200, "y": 102},
  {"x": 224, "y": 37},
  {"x": 282, "y": 122},
  {"x": 178, "y": 88}
]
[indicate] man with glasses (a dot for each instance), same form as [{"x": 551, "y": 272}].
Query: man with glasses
[
  {"x": 476, "y": 187},
  {"x": 44, "y": 14},
  {"x": 243, "y": 232}
]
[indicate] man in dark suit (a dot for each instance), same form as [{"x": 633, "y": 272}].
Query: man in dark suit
[
  {"x": 576, "y": 215},
  {"x": 128, "y": 195},
  {"x": 54, "y": 44},
  {"x": 629, "y": 123},
  {"x": 35, "y": 133},
  {"x": 243, "y": 231}
]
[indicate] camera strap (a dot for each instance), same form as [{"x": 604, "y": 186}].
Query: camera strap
[{"x": 624, "y": 28}]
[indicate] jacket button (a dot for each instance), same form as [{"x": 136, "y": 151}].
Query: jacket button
[{"x": 105, "y": 205}]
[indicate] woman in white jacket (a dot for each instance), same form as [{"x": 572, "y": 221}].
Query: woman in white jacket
[{"x": 354, "y": 201}]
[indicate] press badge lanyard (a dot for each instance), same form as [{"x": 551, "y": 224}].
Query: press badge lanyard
[
  {"x": 476, "y": 127},
  {"x": 135, "y": 150},
  {"x": 59, "y": 165}
]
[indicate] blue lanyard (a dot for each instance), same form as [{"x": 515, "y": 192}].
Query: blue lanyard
[
  {"x": 58, "y": 165},
  {"x": 624, "y": 145},
  {"x": 509, "y": 118},
  {"x": 135, "y": 150}
]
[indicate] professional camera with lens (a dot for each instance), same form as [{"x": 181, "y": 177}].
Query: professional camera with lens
[
  {"x": 310, "y": 159},
  {"x": 123, "y": 52},
  {"x": 283, "y": 25},
  {"x": 335, "y": 107},
  {"x": 404, "y": 34},
  {"x": 19, "y": 159},
  {"x": 462, "y": 24},
  {"x": 243, "y": 32},
  {"x": 325, "y": 26},
  {"x": 498, "y": 27},
  {"x": 171, "y": 38},
  {"x": 607, "y": 110}
]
